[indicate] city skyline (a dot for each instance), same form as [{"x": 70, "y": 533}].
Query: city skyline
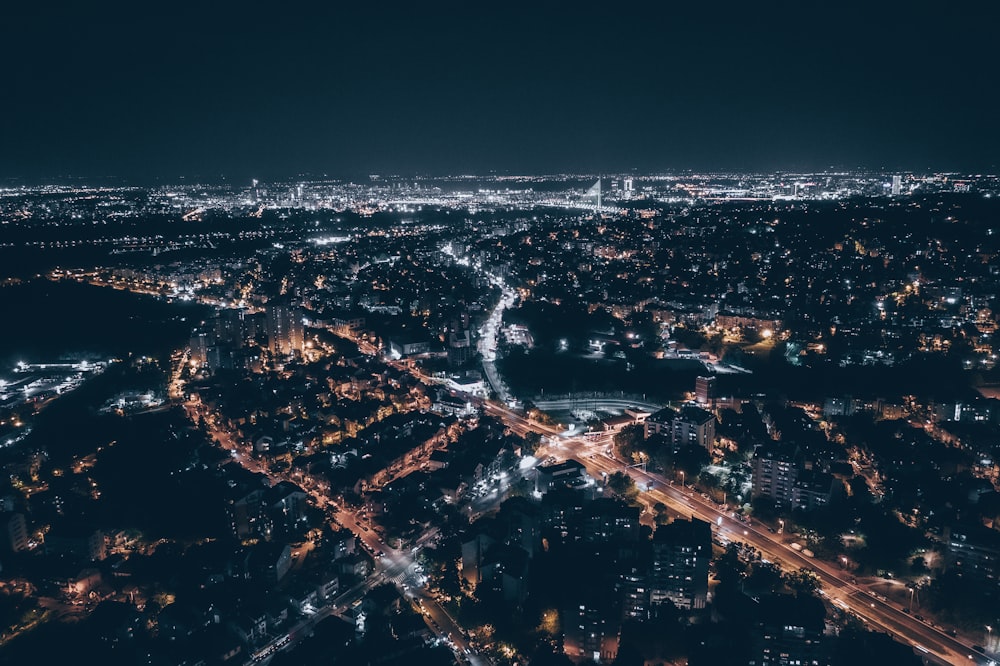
[{"x": 502, "y": 419}]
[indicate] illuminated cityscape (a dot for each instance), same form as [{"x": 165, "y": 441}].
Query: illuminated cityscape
[
  {"x": 498, "y": 420},
  {"x": 521, "y": 335}
]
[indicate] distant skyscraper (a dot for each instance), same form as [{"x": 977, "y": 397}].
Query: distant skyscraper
[
  {"x": 284, "y": 329},
  {"x": 897, "y": 185},
  {"x": 629, "y": 187},
  {"x": 230, "y": 328}
]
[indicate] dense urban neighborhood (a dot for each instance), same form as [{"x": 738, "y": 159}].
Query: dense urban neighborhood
[{"x": 619, "y": 419}]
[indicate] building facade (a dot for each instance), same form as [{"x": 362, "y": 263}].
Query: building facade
[{"x": 681, "y": 553}]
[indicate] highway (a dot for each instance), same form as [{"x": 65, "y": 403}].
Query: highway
[
  {"x": 836, "y": 585},
  {"x": 487, "y": 345}
]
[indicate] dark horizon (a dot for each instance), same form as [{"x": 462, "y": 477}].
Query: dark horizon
[{"x": 253, "y": 91}]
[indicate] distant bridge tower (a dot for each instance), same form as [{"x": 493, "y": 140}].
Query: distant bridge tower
[{"x": 595, "y": 191}]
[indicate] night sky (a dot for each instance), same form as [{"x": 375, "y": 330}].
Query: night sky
[{"x": 152, "y": 89}]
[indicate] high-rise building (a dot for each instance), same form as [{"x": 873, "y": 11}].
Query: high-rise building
[
  {"x": 199, "y": 344},
  {"x": 692, "y": 426},
  {"x": 775, "y": 470},
  {"x": 284, "y": 329},
  {"x": 591, "y": 625},
  {"x": 229, "y": 327},
  {"x": 681, "y": 552},
  {"x": 460, "y": 347},
  {"x": 15, "y": 532},
  {"x": 779, "y": 473},
  {"x": 704, "y": 390},
  {"x": 634, "y": 586},
  {"x": 897, "y": 185},
  {"x": 473, "y": 555}
]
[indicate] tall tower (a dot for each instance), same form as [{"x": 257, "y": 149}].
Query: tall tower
[
  {"x": 595, "y": 191},
  {"x": 704, "y": 390},
  {"x": 897, "y": 185}
]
